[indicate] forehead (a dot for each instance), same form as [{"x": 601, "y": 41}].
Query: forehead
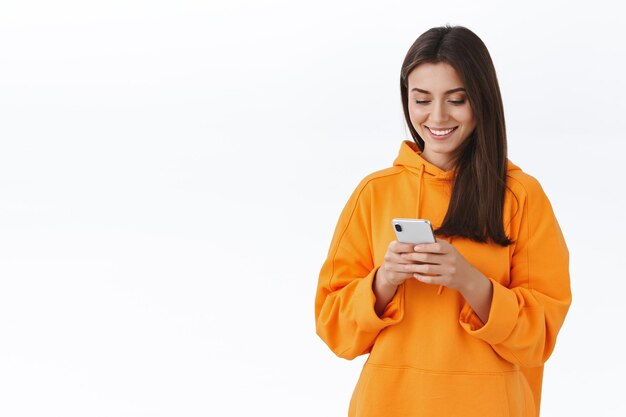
[{"x": 434, "y": 77}]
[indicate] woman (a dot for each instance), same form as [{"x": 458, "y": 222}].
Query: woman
[{"x": 463, "y": 326}]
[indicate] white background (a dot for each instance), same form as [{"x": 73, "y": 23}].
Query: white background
[{"x": 171, "y": 174}]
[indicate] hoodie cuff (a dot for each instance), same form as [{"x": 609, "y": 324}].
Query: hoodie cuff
[
  {"x": 365, "y": 299},
  {"x": 502, "y": 316}
]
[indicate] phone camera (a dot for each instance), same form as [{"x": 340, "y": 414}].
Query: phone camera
[{"x": 398, "y": 227}]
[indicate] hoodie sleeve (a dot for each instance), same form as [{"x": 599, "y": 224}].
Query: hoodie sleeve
[
  {"x": 344, "y": 304},
  {"x": 527, "y": 314}
]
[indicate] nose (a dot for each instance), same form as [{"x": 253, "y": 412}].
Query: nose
[{"x": 438, "y": 114}]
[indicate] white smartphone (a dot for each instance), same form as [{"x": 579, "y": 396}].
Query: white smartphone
[{"x": 413, "y": 231}]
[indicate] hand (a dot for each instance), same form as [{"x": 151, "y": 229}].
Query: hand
[
  {"x": 397, "y": 267},
  {"x": 394, "y": 271},
  {"x": 441, "y": 264}
]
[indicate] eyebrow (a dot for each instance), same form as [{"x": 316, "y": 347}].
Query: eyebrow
[{"x": 454, "y": 90}]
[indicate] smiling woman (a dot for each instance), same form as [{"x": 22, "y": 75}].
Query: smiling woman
[{"x": 477, "y": 348}]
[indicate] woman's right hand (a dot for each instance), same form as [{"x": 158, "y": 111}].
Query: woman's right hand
[{"x": 394, "y": 271}]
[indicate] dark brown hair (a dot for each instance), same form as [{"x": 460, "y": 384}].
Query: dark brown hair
[{"x": 480, "y": 170}]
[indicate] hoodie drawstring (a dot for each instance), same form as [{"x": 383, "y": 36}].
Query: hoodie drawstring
[{"x": 419, "y": 191}]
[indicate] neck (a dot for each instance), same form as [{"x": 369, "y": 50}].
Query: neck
[{"x": 443, "y": 162}]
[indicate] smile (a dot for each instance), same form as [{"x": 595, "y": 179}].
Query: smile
[{"x": 441, "y": 132}]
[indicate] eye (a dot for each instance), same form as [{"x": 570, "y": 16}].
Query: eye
[
  {"x": 457, "y": 102},
  {"x": 422, "y": 101}
]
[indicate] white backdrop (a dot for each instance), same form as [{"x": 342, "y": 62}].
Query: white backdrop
[{"x": 171, "y": 174}]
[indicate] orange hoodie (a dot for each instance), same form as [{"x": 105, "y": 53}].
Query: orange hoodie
[{"x": 429, "y": 353}]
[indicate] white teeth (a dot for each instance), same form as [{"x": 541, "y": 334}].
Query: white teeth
[{"x": 440, "y": 132}]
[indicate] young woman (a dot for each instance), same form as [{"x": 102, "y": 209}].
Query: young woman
[{"x": 463, "y": 326}]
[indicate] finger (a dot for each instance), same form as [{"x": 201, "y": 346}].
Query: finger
[
  {"x": 396, "y": 258},
  {"x": 426, "y": 269},
  {"x": 426, "y": 279},
  {"x": 399, "y": 247},
  {"x": 413, "y": 268},
  {"x": 437, "y": 247},
  {"x": 396, "y": 273},
  {"x": 422, "y": 257},
  {"x": 404, "y": 269},
  {"x": 392, "y": 260}
]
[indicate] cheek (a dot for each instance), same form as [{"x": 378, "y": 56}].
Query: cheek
[
  {"x": 417, "y": 115},
  {"x": 465, "y": 116}
]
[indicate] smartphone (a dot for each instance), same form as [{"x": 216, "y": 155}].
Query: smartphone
[{"x": 413, "y": 231}]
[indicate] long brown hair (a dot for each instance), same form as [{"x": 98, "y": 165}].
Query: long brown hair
[{"x": 476, "y": 204}]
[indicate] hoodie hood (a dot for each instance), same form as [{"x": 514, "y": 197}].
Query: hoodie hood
[{"x": 410, "y": 157}]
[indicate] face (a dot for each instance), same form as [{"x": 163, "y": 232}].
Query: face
[{"x": 439, "y": 111}]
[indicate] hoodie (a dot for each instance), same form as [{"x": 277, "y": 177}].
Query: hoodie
[{"x": 429, "y": 353}]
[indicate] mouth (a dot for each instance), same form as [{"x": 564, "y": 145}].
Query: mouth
[{"x": 441, "y": 133}]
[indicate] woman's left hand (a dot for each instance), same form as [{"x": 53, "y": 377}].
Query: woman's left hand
[{"x": 441, "y": 264}]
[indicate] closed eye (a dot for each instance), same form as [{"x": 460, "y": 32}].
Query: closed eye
[{"x": 454, "y": 102}]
